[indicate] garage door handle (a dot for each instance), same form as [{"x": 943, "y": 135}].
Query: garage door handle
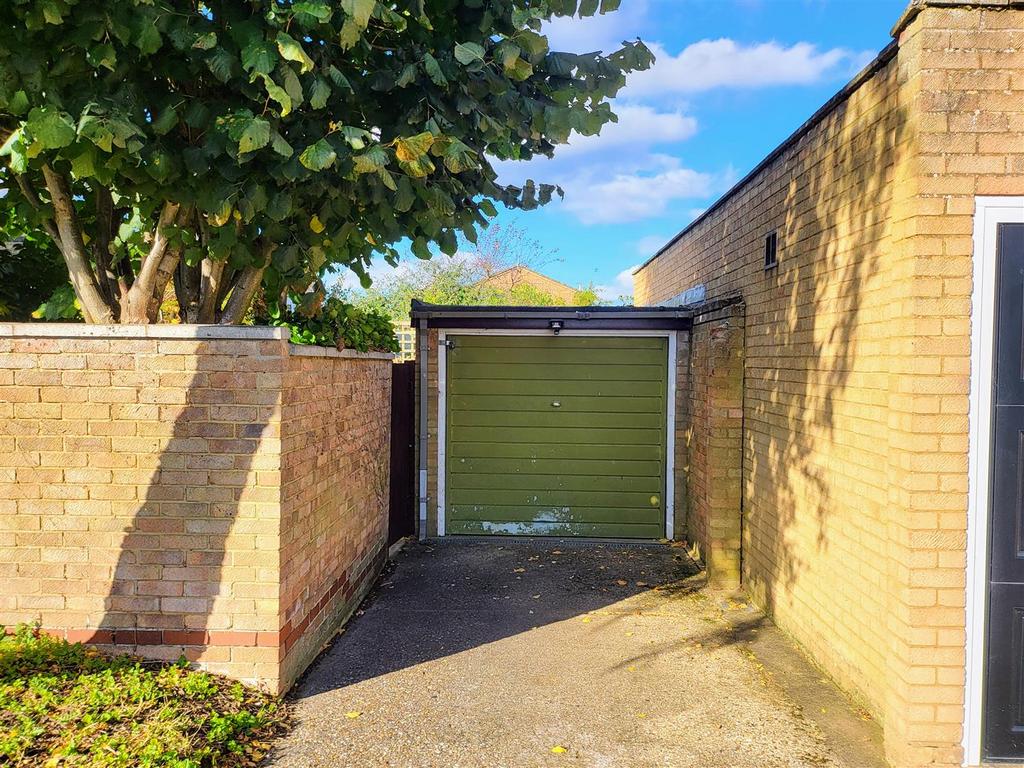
[{"x": 556, "y": 404}]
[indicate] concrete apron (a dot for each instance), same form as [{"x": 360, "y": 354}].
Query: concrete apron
[{"x": 548, "y": 653}]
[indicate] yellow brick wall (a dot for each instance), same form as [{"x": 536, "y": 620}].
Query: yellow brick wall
[
  {"x": 857, "y": 362},
  {"x": 814, "y": 417},
  {"x": 143, "y": 484}
]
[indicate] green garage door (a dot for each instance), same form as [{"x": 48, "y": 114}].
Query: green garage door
[{"x": 556, "y": 436}]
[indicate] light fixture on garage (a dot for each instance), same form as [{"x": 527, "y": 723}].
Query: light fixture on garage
[{"x": 555, "y": 325}]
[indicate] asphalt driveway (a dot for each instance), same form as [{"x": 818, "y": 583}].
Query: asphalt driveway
[{"x": 510, "y": 654}]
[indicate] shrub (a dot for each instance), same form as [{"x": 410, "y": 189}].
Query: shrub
[
  {"x": 335, "y": 323},
  {"x": 67, "y": 704}
]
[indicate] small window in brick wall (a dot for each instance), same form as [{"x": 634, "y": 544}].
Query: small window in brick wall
[{"x": 771, "y": 250}]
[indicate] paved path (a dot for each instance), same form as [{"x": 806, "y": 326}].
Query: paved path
[{"x": 516, "y": 654}]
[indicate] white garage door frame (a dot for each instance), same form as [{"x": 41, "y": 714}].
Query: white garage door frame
[{"x": 442, "y": 398}]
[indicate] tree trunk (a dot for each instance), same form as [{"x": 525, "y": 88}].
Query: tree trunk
[
  {"x": 244, "y": 289},
  {"x": 94, "y": 308},
  {"x": 136, "y": 306}
]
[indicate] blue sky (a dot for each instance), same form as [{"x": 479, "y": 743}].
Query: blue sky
[{"x": 733, "y": 79}]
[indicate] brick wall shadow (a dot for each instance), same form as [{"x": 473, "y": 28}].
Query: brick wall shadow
[
  {"x": 816, "y": 384},
  {"x": 186, "y": 579}
]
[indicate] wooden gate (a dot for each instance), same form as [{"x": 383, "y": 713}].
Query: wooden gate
[{"x": 402, "y": 520}]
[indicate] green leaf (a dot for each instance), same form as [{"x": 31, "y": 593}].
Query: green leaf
[
  {"x": 279, "y": 206},
  {"x": 434, "y": 72},
  {"x": 259, "y": 57},
  {"x": 279, "y": 145},
  {"x": 388, "y": 179},
  {"x": 421, "y": 248},
  {"x": 19, "y": 103},
  {"x": 418, "y": 168},
  {"x": 607, "y": 6},
  {"x": 338, "y": 78},
  {"x": 458, "y": 157},
  {"x": 534, "y": 44},
  {"x": 165, "y": 121},
  {"x": 406, "y": 197},
  {"x": 319, "y": 93},
  {"x": 148, "y": 39},
  {"x": 355, "y": 137},
  {"x": 50, "y": 127},
  {"x": 102, "y": 56},
  {"x": 255, "y": 136},
  {"x": 221, "y": 63},
  {"x": 317, "y": 157},
  {"x": 359, "y": 10},
  {"x": 205, "y": 42},
  {"x": 319, "y": 11},
  {"x": 467, "y": 53},
  {"x": 278, "y": 94},
  {"x": 351, "y": 33},
  {"x": 519, "y": 70},
  {"x": 409, "y": 149},
  {"x": 488, "y": 208},
  {"x": 290, "y": 49},
  {"x": 370, "y": 161},
  {"x": 407, "y": 76},
  {"x": 588, "y": 7}
]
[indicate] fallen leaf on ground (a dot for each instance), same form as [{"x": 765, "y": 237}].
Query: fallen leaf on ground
[
  {"x": 631, "y": 668},
  {"x": 621, "y": 582},
  {"x": 556, "y": 552},
  {"x": 587, "y": 619},
  {"x": 642, "y": 584},
  {"x": 536, "y": 597},
  {"x": 558, "y": 750},
  {"x": 641, "y": 714},
  {"x": 519, "y": 570},
  {"x": 353, "y": 715},
  {"x": 629, "y": 634}
]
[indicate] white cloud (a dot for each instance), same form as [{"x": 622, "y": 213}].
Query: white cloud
[
  {"x": 603, "y": 32},
  {"x": 622, "y": 285},
  {"x": 649, "y": 245},
  {"x": 637, "y": 195},
  {"x": 724, "y": 63},
  {"x": 638, "y": 126}
]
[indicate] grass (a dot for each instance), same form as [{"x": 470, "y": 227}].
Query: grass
[{"x": 64, "y": 705}]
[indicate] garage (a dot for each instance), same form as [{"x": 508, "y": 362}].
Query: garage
[
  {"x": 572, "y": 421},
  {"x": 556, "y": 435}
]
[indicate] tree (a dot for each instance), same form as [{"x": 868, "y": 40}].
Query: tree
[
  {"x": 31, "y": 269},
  {"x": 221, "y": 144},
  {"x": 464, "y": 280}
]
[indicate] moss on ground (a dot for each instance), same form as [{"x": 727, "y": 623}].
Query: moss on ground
[{"x": 64, "y": 704}]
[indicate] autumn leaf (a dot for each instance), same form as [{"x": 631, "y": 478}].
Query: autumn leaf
[
  {"x": 621, "y": 582},
  {"x": 559, "y": 750},
  {"x": 353, "y": 715}
]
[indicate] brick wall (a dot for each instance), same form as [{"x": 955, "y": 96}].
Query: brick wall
[
  {"x": 858, "y": 360},
  {"x": 336, "y": 432},
  {"x": 149, "y": 479},
  {"x": 714, "y": 444}
]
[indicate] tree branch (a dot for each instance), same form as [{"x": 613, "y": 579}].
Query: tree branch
[
  {"x": 108, "y": 282},
  {"x": 95, "y": 309},
  {"x": 138, "y": 302},
  {"x": 246, "y": 287},
  {"x": 210, "y": 289},
  {"x": 168, "y": 264},
  {"x": 33, "y": 198}
]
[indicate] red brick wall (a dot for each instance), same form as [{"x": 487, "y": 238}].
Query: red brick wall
[{"x": 336, "y": 431}]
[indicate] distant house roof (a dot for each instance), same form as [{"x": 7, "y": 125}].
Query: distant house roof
[{"x": 507, "y": 279}]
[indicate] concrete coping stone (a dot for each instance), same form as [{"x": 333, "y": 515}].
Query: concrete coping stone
[
  {"x": 306, "y": 350},
  {"x": 139, "y": 331}
]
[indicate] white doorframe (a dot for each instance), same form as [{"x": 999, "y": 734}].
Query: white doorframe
[
  {"x": 442, "y": 392},
  {"x": 989, "y": 212}
]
